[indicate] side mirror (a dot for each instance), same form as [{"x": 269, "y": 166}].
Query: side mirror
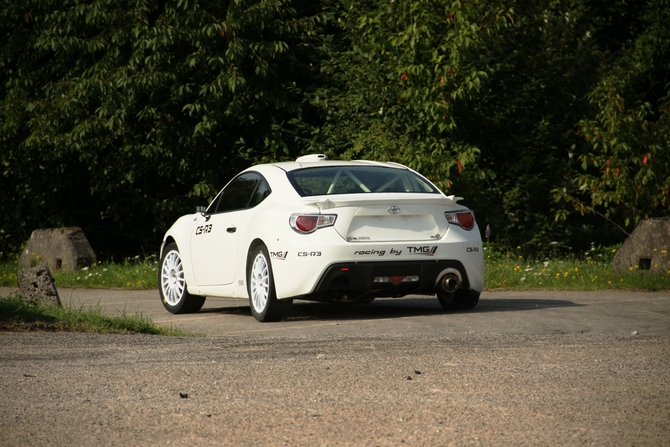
[{"x": 200, "y": 209}]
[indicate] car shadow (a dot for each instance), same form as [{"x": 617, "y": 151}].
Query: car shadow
[{"x": 385, "y": 308}]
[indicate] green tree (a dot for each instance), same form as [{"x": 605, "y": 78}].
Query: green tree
[
  {"x": 542, "y": 67},
  {"x": 119, "y": 116},
  {"x": 392, "y": 74},
  {"x": 625, "y": 172},
  {"x": 483, "y": 97}
]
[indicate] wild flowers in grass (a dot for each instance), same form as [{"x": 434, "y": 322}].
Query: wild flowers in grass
[
  {"x": 592, "y": 271},
  {"x": 8, "y": 275},
  {"x": 132, "y": 273}
]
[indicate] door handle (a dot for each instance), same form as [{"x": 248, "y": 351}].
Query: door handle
[{"x": 231, "y": 230}]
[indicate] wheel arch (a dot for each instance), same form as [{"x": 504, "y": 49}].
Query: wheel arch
[
  {"x": 167, "y": 241},
  {"x": 255, "y": 243}
]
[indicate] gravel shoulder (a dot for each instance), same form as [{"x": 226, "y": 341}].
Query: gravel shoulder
[
  {"x": 87, "y": 389},
  {"x": 515, "y": 372}
]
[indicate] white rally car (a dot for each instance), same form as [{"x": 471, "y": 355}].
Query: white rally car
[{"x": 323, "y": 230}]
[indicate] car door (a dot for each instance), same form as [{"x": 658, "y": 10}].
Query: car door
[{"x": 215, "y": 237}]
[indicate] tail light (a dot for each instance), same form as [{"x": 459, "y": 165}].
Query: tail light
[
  {"x": 308, "y": 223},
  {"x": 465, "y": 219}
]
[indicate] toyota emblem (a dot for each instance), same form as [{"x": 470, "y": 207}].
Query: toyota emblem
[{"x": 393, "y": 209}]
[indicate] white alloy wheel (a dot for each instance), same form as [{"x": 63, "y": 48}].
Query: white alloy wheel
[
  {"x": 260, "y": 283},
  {"x": 172, "y": 284},
  {"x": 172, "y": 278},
  {"x": 262, "y": 297}
]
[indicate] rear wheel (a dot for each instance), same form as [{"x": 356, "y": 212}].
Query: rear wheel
[
  {"x": 458, "y": 300},
  {"x": 172, "y": 284},
  {"x": 262, "y": 297},
  {"x": 447, "y": 300},
  {"x": 469, "y": 299}
]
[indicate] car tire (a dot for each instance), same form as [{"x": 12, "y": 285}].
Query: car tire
[
  {"x": 172, "y": 284},
  {"x": 447, "y": 300},
  {"x": 263, "y": 301},
  {"x": 458, "y": 300},
  {"x": 469, "y": 299}
]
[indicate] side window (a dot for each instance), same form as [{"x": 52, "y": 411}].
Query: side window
[
  {"x": 262, "y": 191},
  {"x": 238, "y": 193}
]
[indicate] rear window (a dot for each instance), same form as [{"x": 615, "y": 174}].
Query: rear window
[{"x": 357, "y": 180}]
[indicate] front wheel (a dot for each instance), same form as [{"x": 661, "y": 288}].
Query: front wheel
[
  {"x": 172, "y": 284},
  {"x": 262, "y": 297}
]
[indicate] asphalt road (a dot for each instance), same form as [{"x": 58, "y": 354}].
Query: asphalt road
[
  {"x": 536, "y": 312},
  {"x": 523, "y": 368}
]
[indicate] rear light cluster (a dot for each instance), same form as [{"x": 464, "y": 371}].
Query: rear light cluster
[
  {"x": 465, "y": 219},
  {"x": 308, "y": 223}
]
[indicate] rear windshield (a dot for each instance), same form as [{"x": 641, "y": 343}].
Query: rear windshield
[{"x": 357, "y": 180}]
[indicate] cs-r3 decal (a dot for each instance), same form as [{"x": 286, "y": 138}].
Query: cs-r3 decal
[
  {"x": 303, "y": 254},
  {"x": 203, "y": 229}
]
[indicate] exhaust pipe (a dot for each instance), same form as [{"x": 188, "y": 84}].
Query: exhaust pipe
[{"x": 450, "y": 280}]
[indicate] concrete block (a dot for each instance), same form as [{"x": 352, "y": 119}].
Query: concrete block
[
  {"x": 647, "y": 248},
  {"x": 37, "y": 285},
  {"x": 59, "y": 249}
]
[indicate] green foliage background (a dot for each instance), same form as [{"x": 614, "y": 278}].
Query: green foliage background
[{"x": 550, "y": 117}]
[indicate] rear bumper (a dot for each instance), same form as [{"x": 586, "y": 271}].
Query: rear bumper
[
  {"x": 358, "y": 278},
  {"x": 312, "y": 264}
]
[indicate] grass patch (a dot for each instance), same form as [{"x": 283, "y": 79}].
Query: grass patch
[
  {"x": 590, "y": 271},
  {"x": 511, "y": 269},
  {"x": 16, "y": 314},
  {"x": 8, "y": 274},
  {"x": 131, "y": 274}
]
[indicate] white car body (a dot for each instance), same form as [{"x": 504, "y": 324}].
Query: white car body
[{"x": 396, "y": 235}]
